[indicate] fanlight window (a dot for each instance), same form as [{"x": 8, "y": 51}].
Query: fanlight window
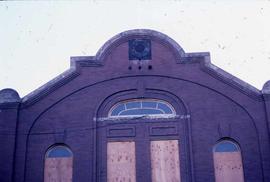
[
  {"x": 59, "y": 151},
  {"x": 226, "y": 146},
  {"x": 142, "y": 107}
]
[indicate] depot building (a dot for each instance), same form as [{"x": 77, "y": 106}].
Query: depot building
[{"x": 141, "y": 109}]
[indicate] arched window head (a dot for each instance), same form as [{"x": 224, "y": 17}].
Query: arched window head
[
  {"x": 226, "y": 146},
  {"x": 59, "y": 151},
  {"x": 142, "y": 107},
  {"x": 58, "y": 164}
]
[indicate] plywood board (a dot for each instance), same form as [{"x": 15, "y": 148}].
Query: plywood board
[
  {"x": 165, "y": 161},
  {"x": 228, "y": 167},
  {"x": 58, "y": 169},
  {"x": 121, "y": 162}
]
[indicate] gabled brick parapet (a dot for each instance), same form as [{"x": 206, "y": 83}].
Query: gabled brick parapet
[
  {"x": 98, "y": 62},
  {"x": 9, "y": 106}
]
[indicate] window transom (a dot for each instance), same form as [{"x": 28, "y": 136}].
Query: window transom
[{"x": 142, "y": 107}]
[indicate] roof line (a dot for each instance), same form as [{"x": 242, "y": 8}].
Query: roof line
[{"x": 183, "y": 58}]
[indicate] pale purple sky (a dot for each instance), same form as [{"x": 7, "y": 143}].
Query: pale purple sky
[{"x": 38, "y": 37}]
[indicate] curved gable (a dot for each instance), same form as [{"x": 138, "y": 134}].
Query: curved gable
[{"x": 115, "y": 58}]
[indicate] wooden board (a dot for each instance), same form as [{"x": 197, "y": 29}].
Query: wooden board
[
  {"x": 165, "y": 161},
  {"x": 228, "y": 167},
  {"x": 58, "y": 169},
  {"x": 121, "y": 162}
]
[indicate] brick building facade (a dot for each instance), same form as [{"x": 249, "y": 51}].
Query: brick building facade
[{"x": 140, "y": 110}]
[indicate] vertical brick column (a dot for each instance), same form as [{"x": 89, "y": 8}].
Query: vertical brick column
[{"x": 9, "y": 103}]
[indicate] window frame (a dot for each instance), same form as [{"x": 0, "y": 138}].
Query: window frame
[
  {"x": 50, "y": 149},
  {"x": 229, "y": 157},
  {"x": 172, "y": 115},
  {"x": 229, "y": 141},
  {"x": 57, "y": 162}
]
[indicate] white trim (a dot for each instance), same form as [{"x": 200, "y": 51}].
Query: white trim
[{"x": 163, "y": 116}]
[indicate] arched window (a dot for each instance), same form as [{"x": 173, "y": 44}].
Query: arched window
[
  {"x": 228, "y": 162},
  {"x": 58, "y": 164},
  {"x": 142, "y": 107}
]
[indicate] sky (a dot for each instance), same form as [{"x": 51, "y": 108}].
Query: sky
[{"x": 37, "y": 38}]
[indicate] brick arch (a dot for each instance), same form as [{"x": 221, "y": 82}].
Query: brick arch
[{"x": 168, "y": 77}]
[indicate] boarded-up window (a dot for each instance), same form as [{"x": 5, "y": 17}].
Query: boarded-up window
[
  {"x": 228, "y": 162},
  {"x": 165, "y": 161},
  {"x": 58, "y": 164},
  {"x": 121, "y": 162}
]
